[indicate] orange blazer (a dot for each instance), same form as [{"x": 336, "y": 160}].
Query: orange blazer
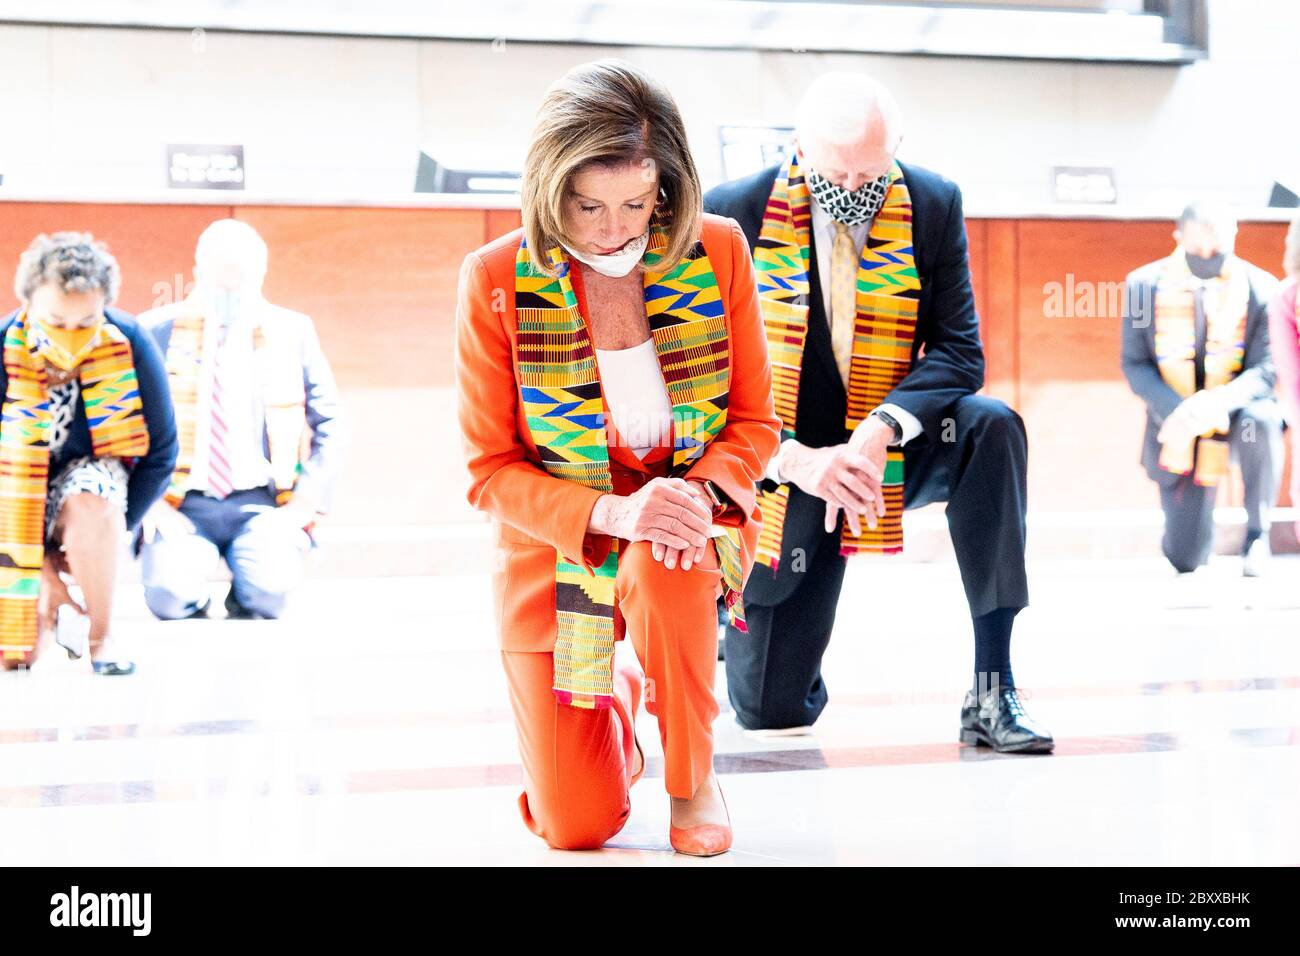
[{"x": 537, "y": 514}]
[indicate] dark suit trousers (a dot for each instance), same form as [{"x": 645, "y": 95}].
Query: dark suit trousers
[
  {"x": 977, "y": 464},
  {"x": 1255, "y": 443}
]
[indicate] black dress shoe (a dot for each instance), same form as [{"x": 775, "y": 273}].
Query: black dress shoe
[{"x": 998, "y": 720}]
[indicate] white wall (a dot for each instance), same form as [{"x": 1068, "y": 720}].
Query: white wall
[
  {"x": 93, "y": 109},
  {"x": 89, "y": 110}
]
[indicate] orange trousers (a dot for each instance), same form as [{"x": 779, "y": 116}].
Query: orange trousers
[{"x": 578, "y": 763}]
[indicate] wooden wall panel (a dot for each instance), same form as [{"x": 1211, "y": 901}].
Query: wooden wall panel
[
  {"x": 153, "y": 244},
  {"x": 380, "y": 284},
  {"x": 994, "y": 263},
  {"x": 1084, "y": 423},
  {"x": 497, "y": 222},
  {"x": 381, "y": 287}
]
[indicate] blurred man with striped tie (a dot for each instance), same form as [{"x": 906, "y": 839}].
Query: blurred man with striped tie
[{"x": 257, "y": 413}]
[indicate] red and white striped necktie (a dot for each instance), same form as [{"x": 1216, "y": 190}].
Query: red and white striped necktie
[{"x": 220, "y": 478}]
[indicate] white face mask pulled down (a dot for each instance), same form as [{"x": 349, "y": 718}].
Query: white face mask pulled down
[{"x": 617, "y": 264}]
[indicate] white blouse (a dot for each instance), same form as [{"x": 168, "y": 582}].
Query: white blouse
[{"x": 635, "y": 394}]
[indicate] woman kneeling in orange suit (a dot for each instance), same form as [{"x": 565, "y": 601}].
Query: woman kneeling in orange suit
[{"x": 615, "y": 399}]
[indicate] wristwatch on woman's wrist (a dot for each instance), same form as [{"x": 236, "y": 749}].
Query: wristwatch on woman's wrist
[{"x": 715, "y": 496}]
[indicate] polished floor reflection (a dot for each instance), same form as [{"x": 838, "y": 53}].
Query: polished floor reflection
[{"x": 372, "y": 726}]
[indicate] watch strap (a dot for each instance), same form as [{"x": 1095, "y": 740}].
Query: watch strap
[{"x": 892, "y": 422}]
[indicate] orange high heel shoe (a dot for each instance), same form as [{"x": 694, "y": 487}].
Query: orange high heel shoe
[{"x": 708, "y": 839}]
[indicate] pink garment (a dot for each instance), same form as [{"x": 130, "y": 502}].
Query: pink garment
[{"x": 1284, "y": 337}]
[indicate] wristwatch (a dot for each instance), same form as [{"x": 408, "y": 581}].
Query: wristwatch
[
  {"x": 715, "y": 496},
  {"x": 892, "y": 422}
]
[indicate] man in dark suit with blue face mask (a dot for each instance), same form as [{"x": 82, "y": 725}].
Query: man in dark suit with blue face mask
[
  {"x": 874, "y": 339},
  {"x": 1196, "y": 351}
]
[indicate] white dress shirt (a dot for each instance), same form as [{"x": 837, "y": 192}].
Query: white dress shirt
[
  {"x": 245, "y": 417},
  {"x": 634, "y": 391},
  {"x": 823, "y": 245}
]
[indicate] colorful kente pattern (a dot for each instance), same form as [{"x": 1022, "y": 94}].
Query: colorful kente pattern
[
  {"x": 1225, "y": 300},
  {"x": 114, "y": 412},
  {"x": 280, "y": 386},
  {"x": 888, "y": 293},
  {"x": 567, "y": 418}
]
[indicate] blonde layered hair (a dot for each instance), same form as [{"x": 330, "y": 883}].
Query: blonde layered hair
[{"x": 608, "y": 113}]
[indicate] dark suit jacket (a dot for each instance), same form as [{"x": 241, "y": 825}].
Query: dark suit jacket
[
  {"x": 947, "y": 356},
  {"x": 150, "y": 474},
  {"x": 1138, "y": 357}
]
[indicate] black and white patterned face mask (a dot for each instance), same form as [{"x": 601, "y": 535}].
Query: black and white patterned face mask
[{"x": 851, "y": 208}]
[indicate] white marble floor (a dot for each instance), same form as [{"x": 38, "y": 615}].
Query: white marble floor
[{"x": 371, "y": 725}]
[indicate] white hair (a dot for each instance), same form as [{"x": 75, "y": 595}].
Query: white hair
[
  {"x": 838, "y": 108},
  {"x": 232, "y": 241}
]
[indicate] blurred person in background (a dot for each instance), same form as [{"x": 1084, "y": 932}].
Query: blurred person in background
[
  {"x": 1196, "y": 351},
  {"x": 876, "y": 362},
  {"x": 1284, "y": 342},
  {"x": 615, "y": 401},
  {"x": 87, "y": 443},
  {"x": 258, "y": 414}
]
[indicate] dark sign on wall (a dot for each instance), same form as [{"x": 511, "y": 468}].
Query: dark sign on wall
[{"x": 192, "y": 166}]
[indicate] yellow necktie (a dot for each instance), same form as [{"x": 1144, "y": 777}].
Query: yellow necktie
[{"x": 844, "y": 298}]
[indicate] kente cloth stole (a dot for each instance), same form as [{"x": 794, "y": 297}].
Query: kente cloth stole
[
  {"x": 1225, "y": 299},
  {"x": 560, "y": 389},
  {"x": 278, "y": 374},
  {"x": 888, "y": 291},
  {"x": 111, "y": 395}
]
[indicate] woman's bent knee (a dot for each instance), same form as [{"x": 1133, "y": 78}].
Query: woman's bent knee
[
  {"x": 664, "y": 587},
  {"x": 570, "y": 830},
  {"x": 574, "y": 824}
]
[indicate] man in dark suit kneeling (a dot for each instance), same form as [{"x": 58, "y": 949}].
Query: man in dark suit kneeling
[
  {"x": 1196, "y": 351},
  {"x": 876, "y": 358}
]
